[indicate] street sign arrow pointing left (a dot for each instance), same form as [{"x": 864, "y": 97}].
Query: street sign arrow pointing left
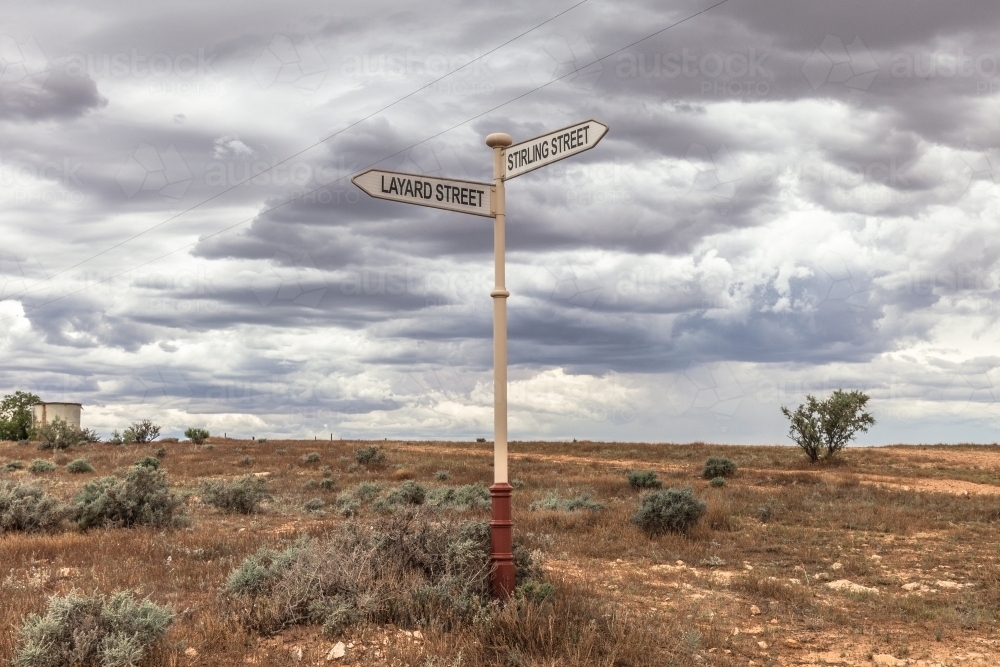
[{"x": 451, "y": 194}]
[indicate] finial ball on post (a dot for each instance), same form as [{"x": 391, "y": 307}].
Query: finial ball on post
[{"x": 501, "y": 139}]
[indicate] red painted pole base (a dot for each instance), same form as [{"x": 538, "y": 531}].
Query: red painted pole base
[{"x": 502, "y": 542}]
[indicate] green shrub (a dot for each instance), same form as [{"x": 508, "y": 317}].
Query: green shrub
[
  {"x": 28, "y": 508},
  {"x": 327, "y": 484},
  {"x": 60, "y": 434},
  {"x": 669, "y": 511},
  {"x": 465, "y": 497},
  {"x": 401, "y": 568},
  {"x": 91, "y": 630},
  {"x": 11, "y": 466},
  {"x": 241, "y": 496},
  {"x": 313, "y": 505},
  {"x": 370, "y": 456},
  {"x": 718, "y": 466},
  {"x": 311, "y": 457},
  {"x": 367, "y": 490},
  {"x": 644, "y": 479},
  {"x": 534, "y": 592},
  {"x": 554, "y": 502},
  {"x": 823, "y": 428},
  {"x": 197, "y": 435},
  {"x": 79, "y": 466},
  {"x": 718, "y": 482},
  {"x": 246, "y": 461},
  {"x": 407, "y": 493},
  {"x": 141, "y": 498},
  {"x": 480, "y": 439},
  {"x": 160, "y": 453},
  {"x": 442, "y": 475},
  {"x": 148, "y": 462},
  {"x": 41, "y": 465}
]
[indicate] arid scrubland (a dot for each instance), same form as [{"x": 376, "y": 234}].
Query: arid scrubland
[{"x": 882, "y": 556}]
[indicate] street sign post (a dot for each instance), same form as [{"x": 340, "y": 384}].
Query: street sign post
[{"x": 484, "y": 199}]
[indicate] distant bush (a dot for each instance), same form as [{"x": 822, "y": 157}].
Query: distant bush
[
  {"x": 41, "y": 465},
  {"x": 644, "y": 479},
  {"x": 149, "y": 462},
  {"x": 313, "y": 505},
  {"x": 141, "y": 498},
  {"x": 370, "y": 456},
  {"x": 480, "y": 439},
  {"x": 11, "y": 466},
  {"x": 554, "y": 502},
  {"x": 669, "y": 511},
  {"x": 718, "y": 466},
  {"x": 197, "y": 435},
  {"x": 246, "y": 461},
  {"x": 79, "y": 466},
  {"x": 311, "y": 457},
  {"x": 465, "y": 497},
  {"x": 60, "y": 434},
  {"x": 398, "y": 568},
  {"x": 241, "y": 496},
  {"x": 91, "y": 630},
  {"x": 823, "y": 428},
  {"x": 347, "y": 504},
  {"x": 367, "y": 490},
  {"x": 160, "y": 453},
  {"x": 139, "y": 432},
  {"x": 327, "y": 483},
  {"x": 442, "y": 475},
  {"x": 718, "y": 482},
  {"x": 27, "y": 508}
]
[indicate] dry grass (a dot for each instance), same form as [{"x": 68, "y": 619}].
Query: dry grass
[{"x": 621, "y": 598}]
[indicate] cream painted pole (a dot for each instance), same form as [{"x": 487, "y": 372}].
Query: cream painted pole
[{"x": 501, "y": 524}]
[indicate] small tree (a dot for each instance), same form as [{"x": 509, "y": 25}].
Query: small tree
[
  {"x": 141, "y": 431},
  {"x": 60, "y": 434},
  {"x": 15, "y": 415},
  {"x": 823, "y": 428},
  {"x": 196, "y": 435}
]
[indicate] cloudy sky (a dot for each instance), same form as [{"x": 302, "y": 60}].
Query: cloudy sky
[{"x": 793, "y": 197}]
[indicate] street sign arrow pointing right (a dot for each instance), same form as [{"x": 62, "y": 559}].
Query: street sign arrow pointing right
[{"x": 552, "y": 147}]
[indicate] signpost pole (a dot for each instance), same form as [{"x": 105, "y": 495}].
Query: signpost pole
[{"x": 501, "y": 538}]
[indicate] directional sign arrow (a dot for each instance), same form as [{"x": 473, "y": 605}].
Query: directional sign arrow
[
  {"x": 552, "y": 147},
  {"x": 448, "y": 193}
]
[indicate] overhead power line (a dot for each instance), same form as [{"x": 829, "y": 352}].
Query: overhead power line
[{"x": 387, "y": 157}]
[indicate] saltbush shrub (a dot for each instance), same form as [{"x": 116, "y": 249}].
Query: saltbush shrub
[
  {"x": 718, "y": 466},
  {"x": 241, "y": 496},
  {"x": 442, "y": 475},
  {"x": 28, "y": 508},
  {"x": 718, "y": 482},
  {"x": 197, "y": 435},
  {"x": 41, "y": 465},
  {"x": 669, "y": 511},
  {"x": 553, "y": 501},
  {"x": 78, "y": 466},
  {"x": 644, "y": 479},
  {"x": 313, "y": 505},
  {"x": 77, "y": 629},
  {"x": 148, "y": 462},
  {"x": 141, "y": 498},
  {"x": 370, "y": 456},
  {"x": 465, "y": 497},
  {"x": 311, "y": 457},
  {"x": 11, "y": 466},
  {"x": 400, "y": 568}
]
